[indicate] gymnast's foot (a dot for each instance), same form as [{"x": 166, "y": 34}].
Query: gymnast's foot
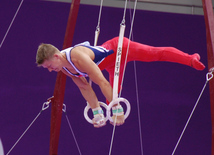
[{"x": 195, "y": 63}]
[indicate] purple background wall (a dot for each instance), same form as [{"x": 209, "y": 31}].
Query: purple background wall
[{"x": 167, "y": 91}]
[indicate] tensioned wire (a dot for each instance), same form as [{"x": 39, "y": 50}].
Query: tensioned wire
[
  {"x": 209, "y": 76},
  {"x": 11, "y": 23},
  {"x": 101, "y": 5},
  {"x": 44, "y": 107},
  {"x": 95, "y": 42},
  {"x": 136, "y": 89},
  {"x": 97, "y": 31},
  {"x": 69, "y": 124},
  {"x": 130, "y": 33}
]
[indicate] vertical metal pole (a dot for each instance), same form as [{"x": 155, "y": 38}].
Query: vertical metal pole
[
  {"x": 209, "y": 22},
  {"x": 59, "y": 90}
]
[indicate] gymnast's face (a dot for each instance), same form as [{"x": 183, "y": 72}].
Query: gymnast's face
[{"x": 53, "y": 64}]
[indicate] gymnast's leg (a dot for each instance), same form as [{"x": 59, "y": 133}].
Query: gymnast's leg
[{"x": 141, "y": 52}]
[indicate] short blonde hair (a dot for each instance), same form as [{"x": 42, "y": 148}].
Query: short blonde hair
[{"x": 45, "y": 52}]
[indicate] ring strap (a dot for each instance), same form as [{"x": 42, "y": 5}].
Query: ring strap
[
  {"x": 97, "y": 110},
  {"x": 117, "y": 110}
]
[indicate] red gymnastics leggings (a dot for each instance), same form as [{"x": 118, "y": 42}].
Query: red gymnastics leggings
[{"x": 141, "y": 52}]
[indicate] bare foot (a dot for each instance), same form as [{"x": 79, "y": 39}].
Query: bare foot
[{"x": 195, "y": 63}]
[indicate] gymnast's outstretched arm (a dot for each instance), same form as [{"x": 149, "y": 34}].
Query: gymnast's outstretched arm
[{"x": 83, "y": 61}]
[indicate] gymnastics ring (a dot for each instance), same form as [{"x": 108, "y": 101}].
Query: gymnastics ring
[
  {"x": 116, "y": 101},
  {"x": 88, "y": 107}
]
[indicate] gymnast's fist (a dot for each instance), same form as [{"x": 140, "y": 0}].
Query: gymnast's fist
[
  {"x": 99, "y": 120},
  {"x": 118, "y": 115},
  {"x": 119, "y": 120}
]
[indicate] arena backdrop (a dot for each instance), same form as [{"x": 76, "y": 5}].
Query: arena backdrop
[{"x": 167, "y": 91}]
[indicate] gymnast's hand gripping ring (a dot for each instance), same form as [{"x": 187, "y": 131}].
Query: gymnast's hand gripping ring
[
  {"x": 116, "y": 101},
  {"x": 88, "y": 107}
]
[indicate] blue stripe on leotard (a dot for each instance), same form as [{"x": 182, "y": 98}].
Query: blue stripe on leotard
[{"x": 100, "y": 53}]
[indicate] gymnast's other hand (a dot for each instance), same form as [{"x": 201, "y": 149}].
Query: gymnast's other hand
[
  {"x": 118, "y": 115},
  {"x": 99, "y": 120},
  {"x": 119, "y": 120}
]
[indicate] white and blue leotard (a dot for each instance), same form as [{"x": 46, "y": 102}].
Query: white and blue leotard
[{"x": 99, "y": 52}]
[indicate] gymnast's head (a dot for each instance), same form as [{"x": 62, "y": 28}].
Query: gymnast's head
[{"x": 48, "y": 57}]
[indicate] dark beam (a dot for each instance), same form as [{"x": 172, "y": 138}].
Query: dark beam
[
  {"x": 209, "y": 22},
  {"x": 59, "y": 90}
]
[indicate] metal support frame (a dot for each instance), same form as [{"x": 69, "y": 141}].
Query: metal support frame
[
  {"x": 59, "y": 90},
  {"x": 209, "y": 22}
]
